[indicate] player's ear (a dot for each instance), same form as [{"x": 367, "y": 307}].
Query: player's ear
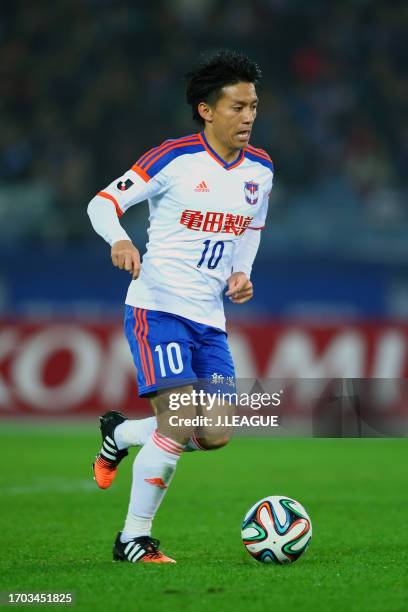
[{"x": 205, "y": 112}]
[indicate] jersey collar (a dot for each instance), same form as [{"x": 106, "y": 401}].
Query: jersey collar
[{"x": 217, "y": 158}]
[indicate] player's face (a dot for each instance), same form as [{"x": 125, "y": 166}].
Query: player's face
[{"x": 233, "y": 115}]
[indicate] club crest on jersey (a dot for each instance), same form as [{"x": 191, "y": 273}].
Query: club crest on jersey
[
  {"x": 251, "y": 191},
  {"x": 124, "y": 185}
]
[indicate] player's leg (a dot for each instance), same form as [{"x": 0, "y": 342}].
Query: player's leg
[
  {"x": 164, "y": 347},
  {"x": 113, "y": 425},
  {"x": 110, "y": 455},
  {"x": 135, "y": 432},
  {"x": 217, "y": 434},
  {"x": 153, "y": 368},
  {"x": 153, "y": 471},
  {"x": 215, "y": 371},
  {"x": 118, "y": 434}
]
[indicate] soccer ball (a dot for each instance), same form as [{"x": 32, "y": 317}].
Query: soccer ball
[{"x": 276, "y": 529}]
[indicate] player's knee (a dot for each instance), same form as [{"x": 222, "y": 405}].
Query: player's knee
[
  {"x": 214, "y": 442},
  {"x": 180, "y": 435}
]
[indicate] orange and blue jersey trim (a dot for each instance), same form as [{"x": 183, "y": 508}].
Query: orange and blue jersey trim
[
  {"x": 154, "y": 160},
  {"x": 167, "y": 144},
  {"x": 259, "y": 155},
  {"x": 149, "y": 164},
  {"x": 236, "y": 162}
]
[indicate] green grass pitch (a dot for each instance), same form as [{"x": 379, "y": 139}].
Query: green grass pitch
[{"x": 58, "y": 528}]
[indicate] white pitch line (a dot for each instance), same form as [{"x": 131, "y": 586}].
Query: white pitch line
[{"x": 57, "y": 485}]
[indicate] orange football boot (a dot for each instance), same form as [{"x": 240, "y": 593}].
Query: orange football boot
[
  {"x": 143, "y": 549},
  {"x": 109, "y": 457}
]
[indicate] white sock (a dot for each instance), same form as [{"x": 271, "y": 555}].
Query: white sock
[
  {"x": 153, "y": 471},
  {"x": 135, "y": 526},
  {"x": 134, "y": 432}
]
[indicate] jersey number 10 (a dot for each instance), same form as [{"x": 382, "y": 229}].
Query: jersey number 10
[{"x": 216, "y": 254}]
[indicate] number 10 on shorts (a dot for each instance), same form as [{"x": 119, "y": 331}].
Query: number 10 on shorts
[{"x": 170, "y": 358}]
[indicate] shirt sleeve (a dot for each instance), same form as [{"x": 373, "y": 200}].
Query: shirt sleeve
[
  {"x": 247, "y": 246},
  {"x": 135, "y": 186},
  {"x": 245, "y": 252},
  {"x": 131, "y": 188}
]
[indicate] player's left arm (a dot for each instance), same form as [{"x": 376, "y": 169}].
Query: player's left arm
[{"x": 239, "y": 286}]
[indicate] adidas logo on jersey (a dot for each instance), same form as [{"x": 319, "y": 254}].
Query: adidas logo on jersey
[{"x": 202, "y": 187}]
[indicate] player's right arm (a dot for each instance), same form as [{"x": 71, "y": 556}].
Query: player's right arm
[{"x": 106, "y": 208}]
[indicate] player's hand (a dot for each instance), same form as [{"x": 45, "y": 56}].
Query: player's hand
[
  {"x": 240, "y": 288},
  {"x": 125, "y": 256}
]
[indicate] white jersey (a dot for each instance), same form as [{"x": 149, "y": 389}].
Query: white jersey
[{"x": 200, "y": 208}]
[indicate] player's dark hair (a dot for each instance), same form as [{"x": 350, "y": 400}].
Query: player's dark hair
[{"x": 215, "y": 71}]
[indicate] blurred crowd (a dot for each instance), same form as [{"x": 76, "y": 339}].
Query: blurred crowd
[{"x": 88, "y": 85}]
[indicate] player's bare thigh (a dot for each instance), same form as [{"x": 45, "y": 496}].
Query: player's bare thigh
[
  {"x": 160, "y": 403},
  {"x": 217, "y": 432},
  {"x": 212, "y": 436}
]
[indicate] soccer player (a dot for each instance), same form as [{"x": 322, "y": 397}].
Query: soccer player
[{"x": 208, "y": 196}]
